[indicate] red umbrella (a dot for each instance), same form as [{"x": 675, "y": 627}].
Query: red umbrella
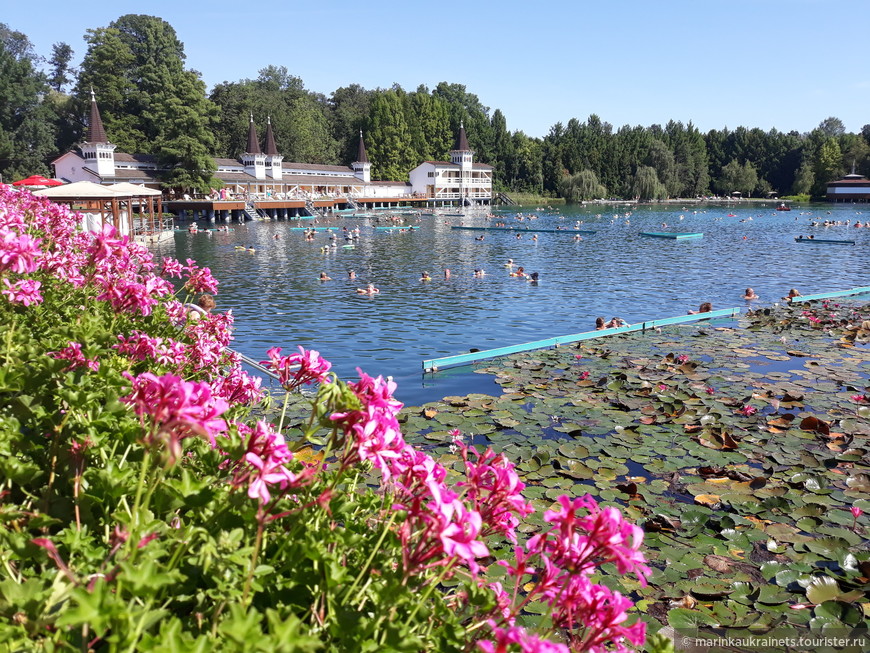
[{"x": 37, "y": 180}]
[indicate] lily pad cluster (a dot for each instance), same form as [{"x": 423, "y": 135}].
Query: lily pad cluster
[{"x": 741, "y": 450}]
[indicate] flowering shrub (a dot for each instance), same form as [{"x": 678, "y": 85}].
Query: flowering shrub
[{"x": 147, "y": 508}]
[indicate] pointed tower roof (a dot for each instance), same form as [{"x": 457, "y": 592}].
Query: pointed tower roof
[
  {"x": 361, "y": 156},
  {"x": 96, "y": 131},
  {"x": 253, "y": 142},
  {"x": 271, "y": 148},
  {"x": 461, "y": 139}
]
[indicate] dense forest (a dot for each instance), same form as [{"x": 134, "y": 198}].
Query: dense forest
[{"x": 152, "y": 102}]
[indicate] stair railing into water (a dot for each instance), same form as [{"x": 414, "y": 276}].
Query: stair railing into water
[
  {"x": 256, "y": 365},
  {"x": 463, "y": 359}
]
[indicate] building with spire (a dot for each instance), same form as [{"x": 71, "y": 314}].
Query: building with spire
[
  {"x": 459, "y": 179},
  {"x": 361, "y": 167},
  {"x": 97, "y": 160},
  {"x": 262, "y": 173}
]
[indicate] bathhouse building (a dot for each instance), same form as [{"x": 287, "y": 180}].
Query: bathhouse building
[{"x": 260, "y": 174}]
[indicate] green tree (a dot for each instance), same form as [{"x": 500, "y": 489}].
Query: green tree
[
  {"x": 661, "y": 160},
  {"x": 646, "y": 184},
  {"x": 525, "y": 168},
  {"x": 737, "y": 177},
  {"x": 690, "y": 157},
  {"x": 466, "y": 108},
  {"x": 804, "y": 179},
  {"x": 61, "y": 55},
  {"x": 186, "y": 141},
  {"x": 148, "y": 101},
  {"x": 582, "y": 186},
  {"x": 105, "y": 69},
  {"x": 429, "y": 122},
  {"x": 502, "y": 151},
  {"x": 349, "y": 109},
  {"x": 299, "y": 118},
  {"x": 389, "y": 146},
  {"x": 828, "y": 166},
  {"x": 26, "y": 121}
]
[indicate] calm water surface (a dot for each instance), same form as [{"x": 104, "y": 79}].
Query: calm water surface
[{"x": 277, "y": 299}]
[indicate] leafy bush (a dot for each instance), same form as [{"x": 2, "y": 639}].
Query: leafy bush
[{"x": 146, "y": 508}]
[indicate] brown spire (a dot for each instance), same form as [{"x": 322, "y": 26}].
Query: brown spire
[
  {"x": 96, "y": 131},
  {"x": 462, "y": 139},
  {"x": 361, "y": 156},
  {"x": 271, "y": 148},
  {"x": 253, "y": 143}
]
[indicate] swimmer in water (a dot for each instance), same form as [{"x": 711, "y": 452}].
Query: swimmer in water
[
  {"x": 750, "y": 294},
  {"x": 425, "y": 277},
  {"x": 368, "y": 290},
  {"x": 325, "y": 277}
]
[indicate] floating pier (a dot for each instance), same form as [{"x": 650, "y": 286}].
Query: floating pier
[
  {"x": 823, "y": 240},
  {"x": 530, "y": 231},
  {"x": 407, "y": 227},
  {"x": 472, "y": 357},
  {"x": 671, "y": 235}
]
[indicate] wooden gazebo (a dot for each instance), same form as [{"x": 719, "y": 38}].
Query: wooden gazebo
[
  {"x": 149, "y": 204},
  {"x": 98, "y": 204}
]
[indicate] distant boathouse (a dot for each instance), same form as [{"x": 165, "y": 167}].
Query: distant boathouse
[{"x": 850, "y": 188}]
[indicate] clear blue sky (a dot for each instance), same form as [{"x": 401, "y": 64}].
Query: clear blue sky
[{"x": 787, "y": 64}]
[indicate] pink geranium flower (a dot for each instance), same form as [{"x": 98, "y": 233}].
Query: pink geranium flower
[
  {"x": 177, "y": 409},
  {"x": 23, "y": 291},
  {"x": 73, "y": 354},
  {"x": 304, "y": 368},
  {"x": 18, "y": 252}
]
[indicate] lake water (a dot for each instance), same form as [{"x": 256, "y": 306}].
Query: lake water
[{"x": 277, "y": 299}]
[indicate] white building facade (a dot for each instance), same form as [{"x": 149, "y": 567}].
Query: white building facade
[
  {"x": 460, "y": 179},
  {"x": 264, "y": 173}
]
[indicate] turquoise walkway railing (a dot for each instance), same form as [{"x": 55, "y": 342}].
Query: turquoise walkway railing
[
  {"x": 472, "y": 357},
  {"x": 864, "y": 290}
]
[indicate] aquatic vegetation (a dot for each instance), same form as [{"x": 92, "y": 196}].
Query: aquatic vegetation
[
  {"x": 148, "y": 508},
  {"x": 744, "y": 458}
]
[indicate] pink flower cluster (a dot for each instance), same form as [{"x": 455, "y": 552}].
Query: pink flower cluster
[
  {"x": 235, "y": 385},
  {"x": 177, "y": 409},
  {"x": 73, "y": 354},
  {"x": 140, "y": 346},
  {"x": 199, "y": 279},
  {"x": 264, "y": 465},
  {"x": 748, "y": 411},
  {"x": 527, "y": 642},
  {"x": 304, "y": 368},
  {"x": 574, "y": 547},
  {"x": 373, "y": 428},
  {"x": 23, "y": 291},
  {"x": 493, "y": 488},
  {"x": 439, "y": 529}
]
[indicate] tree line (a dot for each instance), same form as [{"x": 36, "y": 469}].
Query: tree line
[{"x": 151, "y": 102}]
